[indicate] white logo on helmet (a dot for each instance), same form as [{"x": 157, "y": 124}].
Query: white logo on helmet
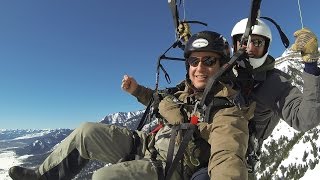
[{"x": 200, "y": 43}]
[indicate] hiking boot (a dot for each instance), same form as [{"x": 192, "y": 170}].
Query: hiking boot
[{"x": 21, "y": 173}]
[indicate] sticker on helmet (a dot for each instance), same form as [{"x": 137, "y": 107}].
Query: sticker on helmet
[{"x": 200, "y": 43}]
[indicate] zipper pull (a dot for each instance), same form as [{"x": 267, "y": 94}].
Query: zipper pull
[{"x": 194, "y": 119}]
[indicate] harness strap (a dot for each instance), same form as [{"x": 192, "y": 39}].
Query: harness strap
[
  {"x": 171, "y": 163},
  {"x": 156, "y": 163},
  {"x": 284, "y": 38},
  {"x": 216, "y": 104},
  {"x": 170, "y": 153},
  {"x": 156, "y": 129},
  {"x": 159, "y": 168},
  {"x": 136, "y": 143},
  {"x": 144, "y": 116}
]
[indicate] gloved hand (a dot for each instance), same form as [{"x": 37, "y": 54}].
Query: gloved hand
[
  {"x": 306, "y": 42},
  {"x": 184, "y": 31}
]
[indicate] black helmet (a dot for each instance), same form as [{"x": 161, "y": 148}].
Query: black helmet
[{"x": 208, "y": 41}]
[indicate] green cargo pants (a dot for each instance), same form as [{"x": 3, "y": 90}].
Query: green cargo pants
[{"x": 106, "y": 143}]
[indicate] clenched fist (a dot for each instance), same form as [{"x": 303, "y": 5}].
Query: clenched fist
[{"x": 129, "y": 84}]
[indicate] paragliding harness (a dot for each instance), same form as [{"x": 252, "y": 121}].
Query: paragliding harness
[
  {"x": 207, "y": 105},
  {"x": 185, "y": 134}
]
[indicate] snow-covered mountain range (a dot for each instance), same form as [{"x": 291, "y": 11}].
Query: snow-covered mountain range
[{"x": 287, "y": 154}]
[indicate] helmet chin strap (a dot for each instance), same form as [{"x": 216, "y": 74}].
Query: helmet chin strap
[{"x": 257, "y": 62}]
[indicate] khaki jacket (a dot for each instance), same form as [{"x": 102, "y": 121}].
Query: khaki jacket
[{"x": 227, "y": 132}]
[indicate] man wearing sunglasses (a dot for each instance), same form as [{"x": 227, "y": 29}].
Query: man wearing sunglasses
[
  {"x": 272, "y": 90},
  {"x": 227, "y": 131},
  {"x": 258, "y": 46}
]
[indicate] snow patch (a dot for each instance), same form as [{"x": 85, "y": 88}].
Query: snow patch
[
  {"x": 7, "y": 160},
  {"x": 33, "y": 135}
]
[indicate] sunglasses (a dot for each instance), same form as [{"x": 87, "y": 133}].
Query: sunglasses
[
  {"x": 255, "y": 42},
  {"x": 206, "y": 61}
]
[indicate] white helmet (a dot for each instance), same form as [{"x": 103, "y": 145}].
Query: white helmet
[{"x": 259, "y": 29}]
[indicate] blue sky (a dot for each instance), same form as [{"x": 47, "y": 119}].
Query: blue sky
[{"x": 61, "y": 62}]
